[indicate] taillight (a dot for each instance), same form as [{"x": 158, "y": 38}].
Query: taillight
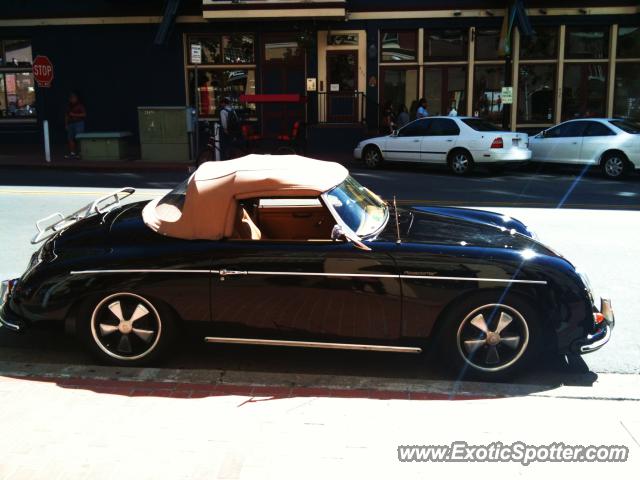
[{"x": 497, "y": 143}]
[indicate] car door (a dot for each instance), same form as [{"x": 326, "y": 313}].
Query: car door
[
  {"x": 597, "y": 138},
  {"x": 317, "y": 291},
  {"x": 560, "y": 144},
  {"x": 405, "y": 145},
  {"x": 441, "y": 137}
]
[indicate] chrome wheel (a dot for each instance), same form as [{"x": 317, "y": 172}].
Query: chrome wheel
[
  {"x": 126, "y": 326},
  {"x": 493, "y": 337},
  {"x": 460, "y": 163},
  {"x": 372, "y": 157},
  {"x": 614, "y": 166}
]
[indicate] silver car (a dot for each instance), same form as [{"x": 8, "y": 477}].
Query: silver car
[{"x": 611, "y": 143}]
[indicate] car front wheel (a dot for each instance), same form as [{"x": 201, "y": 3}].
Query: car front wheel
[
  {"x": 126, "y": 329},
  {"x": 490, "y": 339},
  {"x": 372, "y": 157}
]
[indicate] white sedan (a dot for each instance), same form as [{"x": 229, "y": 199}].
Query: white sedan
[
  {"x": 613, "y": 144},
  {"x": 459, "y": 142}
]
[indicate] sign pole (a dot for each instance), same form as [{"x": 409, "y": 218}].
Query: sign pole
[{"x": 43, "y": 74}]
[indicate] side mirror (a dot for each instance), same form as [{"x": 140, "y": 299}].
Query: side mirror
[{"x": 339, "y": 235}]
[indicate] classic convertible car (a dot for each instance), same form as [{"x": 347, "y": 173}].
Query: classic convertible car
[{"x": 290, "y": 251}]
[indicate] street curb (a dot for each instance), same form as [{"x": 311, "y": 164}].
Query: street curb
[{"x": 617, "y": 387}]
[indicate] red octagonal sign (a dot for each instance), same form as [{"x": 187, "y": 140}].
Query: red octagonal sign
[{"x": 43, "y": 71}]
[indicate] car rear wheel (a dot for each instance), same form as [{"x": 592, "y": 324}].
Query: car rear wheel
[
  {"x": 126, "y": 329},
  {"x": 490, "y": 339},
  {"x": 372, "y": 157},
  {"x": 460, "y": 162},
  {"x": 615, "y": 165}
]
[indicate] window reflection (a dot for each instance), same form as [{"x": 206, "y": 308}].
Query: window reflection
[
  {"x": 399, "y": 46},
  {"x": 587, "y": 42},
  {"x": 445, "y": 45},
  {"x": 487, "y": 43},
  {"x": 215, "y": 84},
  {"x": 489, "y": 80},
  {"x": 535, "y": 93},
  {"x": 628, "y": 42},
  {"x": 584, "y": 90},
  {"x": 626, "y": 101},
  {"x": 445, "y": 88},
  {"x": 541, "y": 46}
]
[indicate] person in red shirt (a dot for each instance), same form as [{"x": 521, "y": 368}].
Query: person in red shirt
[{"x": 74, "y": 123}]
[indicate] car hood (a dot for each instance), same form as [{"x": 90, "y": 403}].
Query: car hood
[{"x": 462, "y": 227}]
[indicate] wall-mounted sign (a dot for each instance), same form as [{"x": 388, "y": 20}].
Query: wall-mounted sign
[
  {"x": 311, "y": 84},
  {"x": 196, "y": 53},
  {"x": 334, "y": 87},
  {"x": 506, "y": 95}
]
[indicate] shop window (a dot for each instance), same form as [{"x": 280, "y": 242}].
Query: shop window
[
  {"x": 489, "y": 80},
  {"x": 283, "y": 49},
  {"x": 399, "y": 46},
  {"x": 584, "y": 90},
  {"x": 215, "y": 84},
  {"x": 17, "y": 86},
  {"x": 628, "y": 42},
  {"x": 399, "y": 87},
  {"x": 541, "y": 46},
  {"x": 536, "y": 98},
  {"x": 587, "y": 42},
  {"x": 626, "y": 100},
  {"x": 487, "y": 44},
  {"x": 444, "y": 88},
  {"x": 443, "y": 45},
  {"x": 231, "y": 49}
]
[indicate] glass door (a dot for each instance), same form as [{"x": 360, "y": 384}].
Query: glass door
[{"x": 342, "y": 81}]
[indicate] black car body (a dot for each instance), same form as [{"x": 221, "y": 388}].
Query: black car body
[{"x": 410, "y": 286}]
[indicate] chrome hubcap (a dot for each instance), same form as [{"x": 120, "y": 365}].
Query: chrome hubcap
[
  {"x": 126, "y": 326},
  {"x": 493, "y": 337},
  {"x": 614, "y": 166},
  {"x": 460, "y": 163}
]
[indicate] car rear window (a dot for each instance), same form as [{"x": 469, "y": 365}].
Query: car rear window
[
  {"x": 627, "y": 126},
  {"x": 481, "y": 125}
]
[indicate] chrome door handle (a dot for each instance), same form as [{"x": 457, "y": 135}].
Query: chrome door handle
[
  {"x": 225, "y": 273},
  {"x": 417, "y": 140},
  {"x": 449, "y": 140}
]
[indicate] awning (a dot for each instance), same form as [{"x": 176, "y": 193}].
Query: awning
[{"x": 273, "y": 9}]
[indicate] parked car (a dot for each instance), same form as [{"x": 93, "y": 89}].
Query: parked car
[
  {"x": 611, "y": 143},
  {"x": 458, "y": 142},
  {"x": 290, "y": 251}
]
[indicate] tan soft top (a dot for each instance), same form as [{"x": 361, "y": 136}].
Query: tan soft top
[{"x": 209, "y": 209}]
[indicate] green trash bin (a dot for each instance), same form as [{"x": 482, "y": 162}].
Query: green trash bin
[{"x": 103, "y": 146}]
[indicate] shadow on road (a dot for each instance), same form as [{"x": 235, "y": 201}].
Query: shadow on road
[{"x": 36, "y": 354}]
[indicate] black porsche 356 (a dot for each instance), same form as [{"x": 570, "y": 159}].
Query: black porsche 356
[{"x": 290, "y": 251}]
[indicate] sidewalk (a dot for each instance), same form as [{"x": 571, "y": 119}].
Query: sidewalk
[
  {"x": 104, "y": 423},
  {"x": 33, "y": 156}
]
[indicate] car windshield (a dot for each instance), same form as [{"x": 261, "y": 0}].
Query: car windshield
[
  {"x": 627, "y": 126},
  {"x": 358, "y": 207},
  {"x": 480, "y": 125}
]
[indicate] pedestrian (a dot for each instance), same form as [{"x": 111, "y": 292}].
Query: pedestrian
[
  {"x": 230, "y": 127},
  {"x": 453, "y": 112},
  {"x": 74, "y": 119},
  {"x": 422, "y": 109},
  {"x": 403, "y": 117},
  {"x": 387, "y": 119}
]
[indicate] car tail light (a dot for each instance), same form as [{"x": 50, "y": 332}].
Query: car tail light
[
  {"x": 598, "y": 318},
  {"x": 497, "y": 143}
]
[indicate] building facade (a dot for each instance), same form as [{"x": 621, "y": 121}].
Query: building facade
[{"x": 348, "y": 61}]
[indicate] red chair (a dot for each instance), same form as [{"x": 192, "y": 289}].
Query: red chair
[{"x": 290, "y": 141}]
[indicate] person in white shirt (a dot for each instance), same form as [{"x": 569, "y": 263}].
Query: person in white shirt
[
  {"x": 453, "y": 112},
  {"x": 422, "y": 111}
]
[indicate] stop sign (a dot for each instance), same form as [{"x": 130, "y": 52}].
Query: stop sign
[{"x": 43, "y": 71}]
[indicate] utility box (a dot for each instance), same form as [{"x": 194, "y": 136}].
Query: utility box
[
  {"x": 164, "y": 133},
  {"x": 103, "y": 146}
]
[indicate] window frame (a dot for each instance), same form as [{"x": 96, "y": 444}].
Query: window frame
[{"x": 16, "y": 70}]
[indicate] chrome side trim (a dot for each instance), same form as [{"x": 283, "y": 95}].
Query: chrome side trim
[
  {"x": 313, "y": 274},
  {"x": 325, "y": 345},
  {"x": 472, "y": 279},
  {"x": 139, "y": 270}
]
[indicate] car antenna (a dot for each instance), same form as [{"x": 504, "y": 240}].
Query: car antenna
[{"x": 395, "y": 211}]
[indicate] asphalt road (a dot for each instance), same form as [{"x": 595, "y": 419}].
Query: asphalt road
[{"x": 597, "y": 227}]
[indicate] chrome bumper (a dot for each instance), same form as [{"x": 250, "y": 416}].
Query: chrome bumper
[
  {"x": 5, "y": 292},
  {"x": 602, "y": 335}
]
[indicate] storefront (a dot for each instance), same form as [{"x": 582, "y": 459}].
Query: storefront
[{"x": 350, "y": 59}]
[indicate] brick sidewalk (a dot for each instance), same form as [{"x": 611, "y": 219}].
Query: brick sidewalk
[{"x": 64, "y": 428}]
